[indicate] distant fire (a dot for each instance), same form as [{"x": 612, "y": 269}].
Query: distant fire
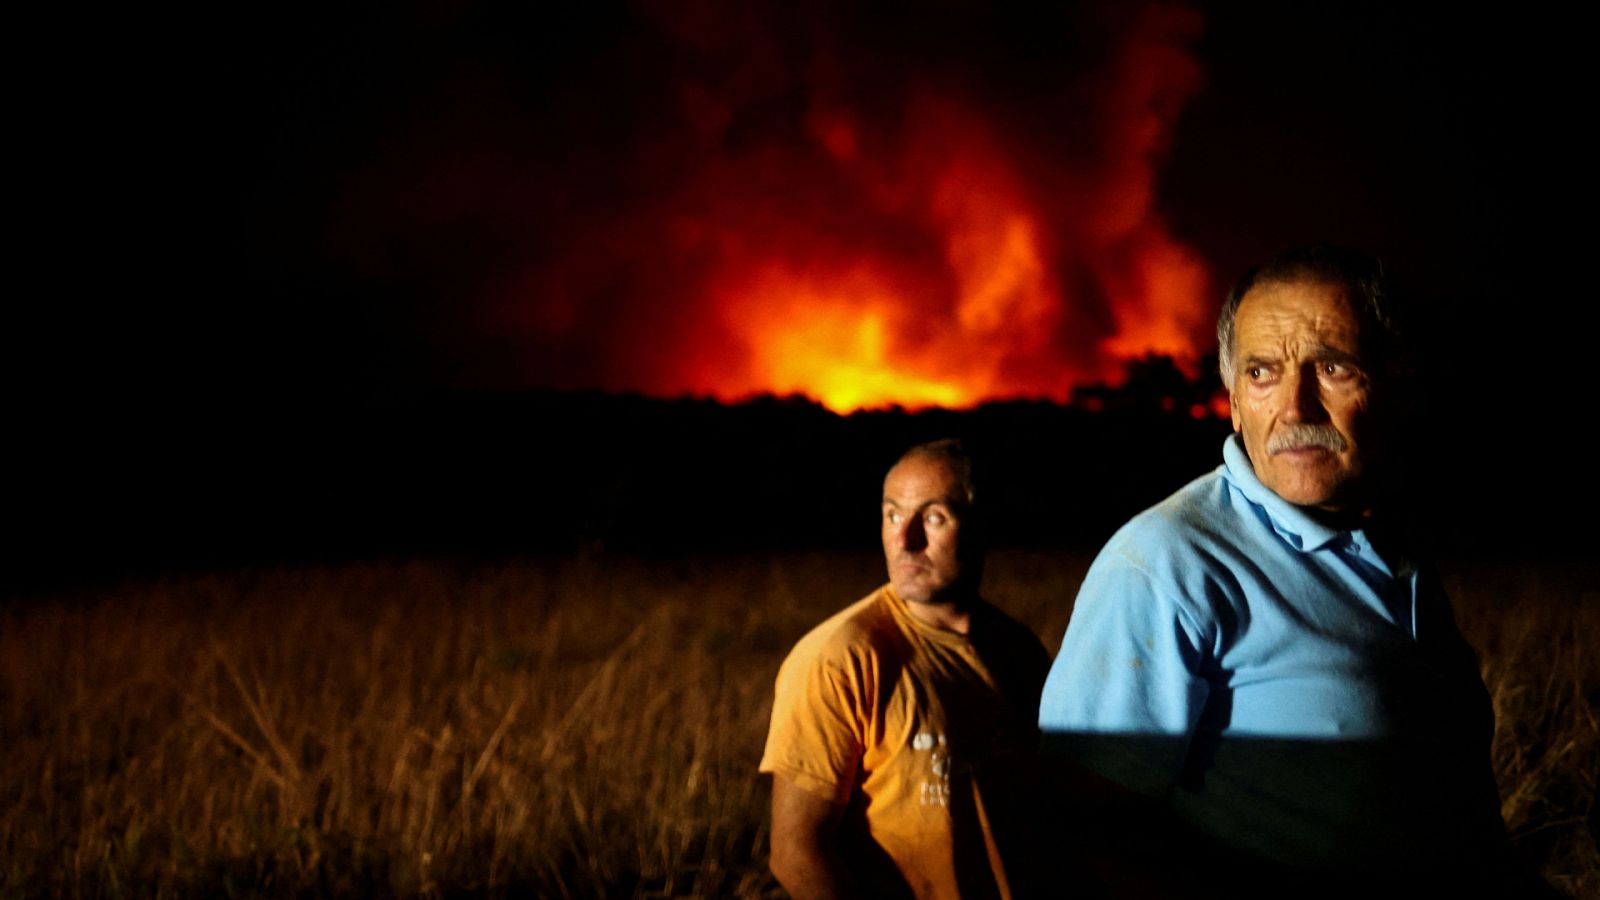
[
  {"x": 816, "y": 203},
  {"x": 981, "y": 319}
]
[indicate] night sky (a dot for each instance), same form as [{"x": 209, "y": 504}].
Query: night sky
[{"x": 275, "y": 215}]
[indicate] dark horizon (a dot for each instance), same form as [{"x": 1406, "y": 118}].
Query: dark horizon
[
  {"x": 556, "y": 474},
  {"x": 262, "y": 284}
]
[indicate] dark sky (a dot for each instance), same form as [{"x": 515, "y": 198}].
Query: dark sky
[
  {"x": 278, "y": 209},
  {"x": 286, "y": 203}
]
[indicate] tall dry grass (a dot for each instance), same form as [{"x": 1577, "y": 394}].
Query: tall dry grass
[
  {"x": 580, "y": 728},
  {"x": 1537, "y": 633}
]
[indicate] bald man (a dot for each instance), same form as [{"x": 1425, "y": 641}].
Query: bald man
[{"x": 903, "y": 728}]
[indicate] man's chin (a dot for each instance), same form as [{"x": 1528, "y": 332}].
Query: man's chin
[
  {"x": 927, "y": 595},
  {"x": 1330, "y": 497},
  {"x": 914, "y": 591},
  {"x": 1305, "y": 496},
  {"x": 1309, "y": 485},
  {"x": 911, "y": 595}
]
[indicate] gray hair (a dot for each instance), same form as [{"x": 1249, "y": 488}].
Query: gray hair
[{"x": 1360, "y": 274}]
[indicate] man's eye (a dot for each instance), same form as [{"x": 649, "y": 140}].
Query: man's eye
[
  {"x": 891, "y": 516},
  {"x": 935, "y": 518}
]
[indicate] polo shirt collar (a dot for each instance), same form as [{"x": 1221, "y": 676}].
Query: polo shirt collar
[{"x": 1290, "y": 521}]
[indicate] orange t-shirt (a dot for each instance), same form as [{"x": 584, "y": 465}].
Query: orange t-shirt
[{"x": 926, "y": 734}]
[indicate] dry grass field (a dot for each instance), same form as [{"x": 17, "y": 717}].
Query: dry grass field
[{"x": 576, "y": 728}]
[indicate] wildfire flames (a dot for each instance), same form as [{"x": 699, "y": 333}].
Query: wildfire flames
[
  {"x": 979, "y": 316},
  {"x": 915, "y": 230}
]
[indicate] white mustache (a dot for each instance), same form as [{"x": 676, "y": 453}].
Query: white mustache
[{"x": 1302, "y": 437}]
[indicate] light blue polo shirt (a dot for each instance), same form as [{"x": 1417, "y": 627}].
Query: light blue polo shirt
[{"x": 1293, "y": 692}]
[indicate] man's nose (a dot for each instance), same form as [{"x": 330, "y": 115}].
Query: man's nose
[
  {"x": 1304, "y": 396},
  {"x": 912, "y": 536}
]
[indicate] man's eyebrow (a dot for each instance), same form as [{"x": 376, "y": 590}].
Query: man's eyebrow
[
  {"x": 887, "y": 501},
  {"x": 1330, "y": 353}
]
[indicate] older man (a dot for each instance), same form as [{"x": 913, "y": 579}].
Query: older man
[
  {"x": 1262, "y": 652},
  {"x": 903, "y": 727}
]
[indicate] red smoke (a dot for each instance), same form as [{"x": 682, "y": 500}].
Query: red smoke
[{"x": 825, "y": 204}]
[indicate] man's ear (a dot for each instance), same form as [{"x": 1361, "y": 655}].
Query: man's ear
[{"x": 1233, "y": 409}]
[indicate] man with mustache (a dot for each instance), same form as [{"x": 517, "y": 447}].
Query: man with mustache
[
  {"x": 903, "y": 728},
  {"x": 1264, "y": 684}
]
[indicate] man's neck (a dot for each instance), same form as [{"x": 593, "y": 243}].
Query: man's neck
[
  {"x": 945, "y": 615},
  {"x": 1342, "y": 518}
]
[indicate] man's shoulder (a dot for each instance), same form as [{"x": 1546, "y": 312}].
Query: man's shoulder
[
  {"x": 865, "y": 627},
  {"x": 1201, "y": 536},
  {"x": 1011, "y": 650},
  {"x": 1006, "y": 630},
  {"x": 1199, "y": 514}
]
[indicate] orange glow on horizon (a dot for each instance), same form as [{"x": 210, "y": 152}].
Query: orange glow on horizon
[
  {"x": 910, "y": 245},
  {"x": 852, "y": 330},
  {"x": 833, "y": 343}
]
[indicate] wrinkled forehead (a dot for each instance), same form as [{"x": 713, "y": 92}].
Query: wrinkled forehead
[{"x": 1275, "y": 312}]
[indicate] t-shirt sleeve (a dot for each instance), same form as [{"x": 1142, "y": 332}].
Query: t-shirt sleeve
[
  {"x": 818, "y": 729},
  {"x": 1126, "y": 689}
]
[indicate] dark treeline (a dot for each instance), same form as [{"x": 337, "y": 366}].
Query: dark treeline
[
  {"x": 136, "y": 491},
  {"x": 550, "y": 473}
]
